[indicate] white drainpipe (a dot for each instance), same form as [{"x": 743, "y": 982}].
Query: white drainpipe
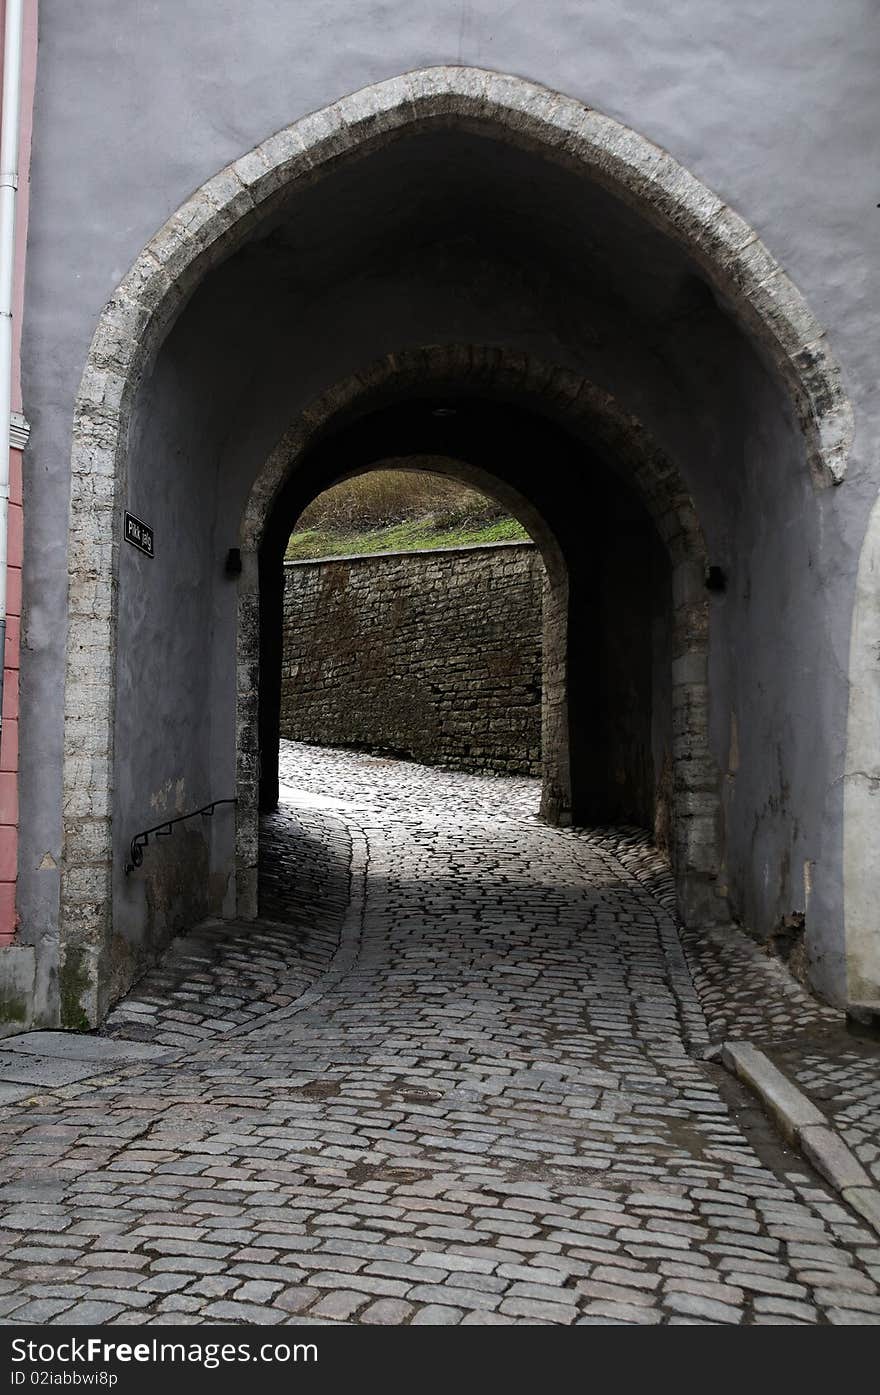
[{"x": 9, "y": 129}]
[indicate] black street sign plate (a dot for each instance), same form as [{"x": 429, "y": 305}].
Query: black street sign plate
[{"x": 140, "y": 535}]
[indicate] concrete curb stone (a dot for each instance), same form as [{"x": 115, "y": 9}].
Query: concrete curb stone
[
  {"x": 829, "y": 1155},
  {"x": 806, "y": 1126},
  {"x": 865, "y": 1200},
  {"x": 789, "y": 1106}
]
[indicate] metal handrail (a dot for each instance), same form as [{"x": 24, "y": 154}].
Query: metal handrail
[{"x": 163, "y": 830}]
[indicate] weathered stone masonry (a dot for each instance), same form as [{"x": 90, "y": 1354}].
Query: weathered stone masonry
[{"x": 432, "y": 655}]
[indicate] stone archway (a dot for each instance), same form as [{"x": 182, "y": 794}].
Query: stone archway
[
  {"x": 623, "y": 443},
  {"x": 221, "y": 217}
]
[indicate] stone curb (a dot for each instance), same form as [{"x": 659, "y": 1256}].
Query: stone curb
[
  {"x": 348, "y": 949},
  {"x": 626, "y": 854},
  {"x": 806, "y": 1127}
]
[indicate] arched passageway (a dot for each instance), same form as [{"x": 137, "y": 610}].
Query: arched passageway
[
  {"x": 602, "y": 313},
  {"x": 349, "y": 639},
  {"x": 539, "y": 443}
]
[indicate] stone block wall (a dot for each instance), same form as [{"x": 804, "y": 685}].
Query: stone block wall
[{"x": 435, "y": 656}]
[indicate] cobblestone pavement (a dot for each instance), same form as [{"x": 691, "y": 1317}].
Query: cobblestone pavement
[
  {"x": 225, "y": 975},
  {"x": 748, "y": 995},
  {"x": 845, "y": 1084},
  {"x": 490, "y": 1107}
]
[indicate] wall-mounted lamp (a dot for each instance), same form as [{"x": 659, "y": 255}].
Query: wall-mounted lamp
[{"x": 233, "y": 562}]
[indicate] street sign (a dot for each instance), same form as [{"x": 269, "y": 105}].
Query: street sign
[{"x": 139, "y": 534}]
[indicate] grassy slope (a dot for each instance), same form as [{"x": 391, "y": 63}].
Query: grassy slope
[{"x": 413, "y": 535}]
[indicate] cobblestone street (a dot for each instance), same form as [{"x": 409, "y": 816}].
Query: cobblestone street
[{"x": 456, "y": 1074}]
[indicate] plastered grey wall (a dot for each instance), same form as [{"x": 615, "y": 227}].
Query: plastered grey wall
[
  {"x": 435, "y": 656},
  {"x": 772, "y": 106},
  {"x": 164, "y": 764}
]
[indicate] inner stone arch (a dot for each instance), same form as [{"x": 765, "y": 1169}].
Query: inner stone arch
[
  {"x": 488, "y": 416},
  {"x": 447, "y": 207}
]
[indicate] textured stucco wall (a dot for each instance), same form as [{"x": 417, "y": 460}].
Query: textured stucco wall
[
  {"x": 772, "y": 106},
  {"x": 431, "y": 655},
  {"x": 17, "y": 964}
]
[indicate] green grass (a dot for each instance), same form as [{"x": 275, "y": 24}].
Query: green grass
[
  {"x": 412, "y": 535},
  {"x": 399, "y": 511}
]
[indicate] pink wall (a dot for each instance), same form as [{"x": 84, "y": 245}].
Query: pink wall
[{"x": 9, "y": 737}]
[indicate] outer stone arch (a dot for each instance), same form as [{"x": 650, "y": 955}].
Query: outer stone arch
[
  {"x": 216, "y": 220},
  {"x": 625, "y": 446}
]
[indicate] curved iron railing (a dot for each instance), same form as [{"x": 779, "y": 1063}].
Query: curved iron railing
[{"x": 164, "y": 830}]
